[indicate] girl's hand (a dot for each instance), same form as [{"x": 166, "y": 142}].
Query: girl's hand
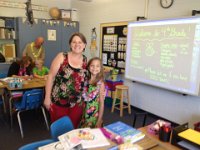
[{"x": 99, "y": 124}]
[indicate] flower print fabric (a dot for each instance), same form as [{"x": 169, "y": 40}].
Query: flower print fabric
[
  {"x": 69, "y": 84},
  {"x": 91, "y": 114}
]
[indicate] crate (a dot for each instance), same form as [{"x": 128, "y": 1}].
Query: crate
[{"x": 110, "y": 85}]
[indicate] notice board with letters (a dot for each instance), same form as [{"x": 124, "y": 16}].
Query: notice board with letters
[{"x": 113, "y": 45}]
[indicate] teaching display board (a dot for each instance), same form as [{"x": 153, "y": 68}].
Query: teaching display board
[
  {"x": 113, "y": 45},
  {"x": 165, "y": 53}
]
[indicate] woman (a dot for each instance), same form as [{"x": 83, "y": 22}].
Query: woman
[
  {"x": 66, "y": 80},
  {"x": 21, "y": 68}
]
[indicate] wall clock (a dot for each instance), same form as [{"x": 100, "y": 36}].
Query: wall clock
[{"x": 166, "y": 3}]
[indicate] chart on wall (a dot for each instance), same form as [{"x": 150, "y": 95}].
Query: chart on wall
[{"x": 113, "y": 45}]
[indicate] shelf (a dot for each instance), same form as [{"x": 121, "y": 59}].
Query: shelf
[{"x": 8, "y": 39}]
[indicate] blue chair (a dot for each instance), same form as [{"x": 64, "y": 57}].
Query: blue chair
[
  {"x": 57, "y": 128},
  {"x": 32, "y": 99}
]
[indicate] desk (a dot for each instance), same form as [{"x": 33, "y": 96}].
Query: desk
[
  {"x": 150, "y": 142},
  {"x": 148, "y": 139},
  {"x": 161, "y": 145},
  {"x": 27, "y": 84}
]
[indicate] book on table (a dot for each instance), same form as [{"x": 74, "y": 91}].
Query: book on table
[
  {"x": 128, "y": 133},
  {"x": 84, "y": 137},
  {"x": 52, "y": 146}
]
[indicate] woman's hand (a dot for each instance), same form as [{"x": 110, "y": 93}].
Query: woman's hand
[{"x": 47, "y": 103}]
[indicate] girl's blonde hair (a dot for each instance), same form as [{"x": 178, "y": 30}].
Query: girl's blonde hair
[{"x": 100, "y": 75}]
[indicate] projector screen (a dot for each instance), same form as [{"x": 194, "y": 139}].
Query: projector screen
[{"x": 165, "y": 53}]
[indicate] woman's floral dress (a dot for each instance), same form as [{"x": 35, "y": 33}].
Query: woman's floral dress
[{"x": 91, "y": 114}]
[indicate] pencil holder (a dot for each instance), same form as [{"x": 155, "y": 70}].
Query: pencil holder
[{"x": 164, "y": 133}]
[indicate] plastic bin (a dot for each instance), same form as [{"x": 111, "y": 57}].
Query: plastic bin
[{"x": 197, "y": 126}]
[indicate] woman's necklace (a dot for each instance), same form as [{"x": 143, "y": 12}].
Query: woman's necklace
[{"x": 35, "y": 54}]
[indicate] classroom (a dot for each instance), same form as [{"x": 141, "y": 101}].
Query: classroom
[{"x": 91, "y": 14}]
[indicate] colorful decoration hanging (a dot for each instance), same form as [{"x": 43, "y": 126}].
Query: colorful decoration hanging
[{"x": 93, "y": 45}]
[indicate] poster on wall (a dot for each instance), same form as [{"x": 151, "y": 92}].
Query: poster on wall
[
  {"x": 51, "y": 34},
  {"x": 113, "y": 45}
]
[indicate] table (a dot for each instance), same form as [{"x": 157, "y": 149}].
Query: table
[
  {"x": 149, "y": 140},
  {"x": 161, "y": 145},
  {"x": 27, "y": 84}
]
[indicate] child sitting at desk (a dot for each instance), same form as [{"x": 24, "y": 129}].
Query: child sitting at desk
[
  {"x": 21, "y": 68},
  {"x": 40, "y": 71}
]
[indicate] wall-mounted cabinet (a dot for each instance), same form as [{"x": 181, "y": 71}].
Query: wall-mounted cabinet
[
  {"x": 55, "y": 32},
  {"x": 26, "y": 33},
  {"x": 7, "y": 37}
]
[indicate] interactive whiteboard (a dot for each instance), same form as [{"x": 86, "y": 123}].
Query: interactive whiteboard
[{"x": 165, "y": 53}]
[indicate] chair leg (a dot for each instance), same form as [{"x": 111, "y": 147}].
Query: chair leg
[
  {"x": 114, "y": 101},
  {"x": 4, "y": 104},
  {"x": 121, "y": 103},
  {"x": 134, "y": 120},
  {"x": 145, "y": 117},
  {"x": 20, "y": 124},
  {"x": 10, "y": 108},
  {"x": 45, "y": 117},
  {"x": 129, "y": 103}
]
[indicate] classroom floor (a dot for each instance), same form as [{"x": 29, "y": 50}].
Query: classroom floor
[{"x": 35, "y": 129}]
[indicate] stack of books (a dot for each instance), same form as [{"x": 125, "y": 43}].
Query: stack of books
[
  {"x": 128, "y": 133},
  {"x": 83, "y": 138}
]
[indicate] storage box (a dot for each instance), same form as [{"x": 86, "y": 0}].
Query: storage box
[
  {"x": 197, "y": 126},
  {"x": 2, "y": 23},
  {"x": 66, "y": 14},
  {"x": 155, "y": 126},
  {"x": 110, "y": 85},
  {"x": 15, "y": 83}
]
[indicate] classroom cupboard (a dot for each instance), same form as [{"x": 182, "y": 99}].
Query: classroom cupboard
[{"x": 55, "y": 32}]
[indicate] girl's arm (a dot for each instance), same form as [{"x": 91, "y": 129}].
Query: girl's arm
[
  {"x": 101, "y": 106},
  {"x": 58, "y": 60},
  {"x": 38, "y": 76}
]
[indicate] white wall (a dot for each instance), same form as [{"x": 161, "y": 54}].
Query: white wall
[
  {"x": 167, "y": 104},
  {"x": 16, "y": 12}
]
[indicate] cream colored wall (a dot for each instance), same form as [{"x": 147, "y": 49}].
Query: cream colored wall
[
  {"x": 167, "y": 104},
  {"x": 15, "y": 12}
]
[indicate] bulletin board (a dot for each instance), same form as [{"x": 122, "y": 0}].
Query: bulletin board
[{"x": 113, "y": 45}]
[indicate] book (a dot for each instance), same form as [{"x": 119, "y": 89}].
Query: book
[
  {"x": 52, "y": 146},
  {"x": 128, "y": 133},
  {"x": 86, "y": 137}
]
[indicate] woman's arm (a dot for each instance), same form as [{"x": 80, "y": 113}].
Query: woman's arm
[
  {"x": 58, "y": 60},
  {"x": 101, "y": 107}
]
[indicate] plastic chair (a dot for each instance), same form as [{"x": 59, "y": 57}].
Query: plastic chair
[
  {"x": 32, "y": 99},
  {"x": 57, "y": 128},
  {"x": 60, "y": 127}
]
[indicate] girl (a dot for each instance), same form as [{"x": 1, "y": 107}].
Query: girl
[
  {"x": 94, "y": 97},
  {"x": 40, "y": 71}
]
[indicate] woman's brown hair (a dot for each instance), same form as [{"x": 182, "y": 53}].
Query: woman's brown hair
[{"x": 25, "y": 60}]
